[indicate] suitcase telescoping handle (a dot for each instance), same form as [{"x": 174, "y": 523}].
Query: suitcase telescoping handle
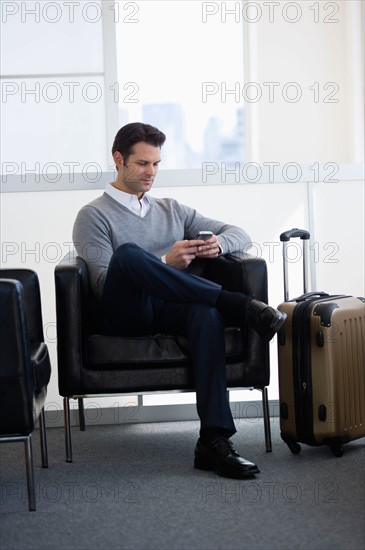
[{"x": 285, "y": 238}]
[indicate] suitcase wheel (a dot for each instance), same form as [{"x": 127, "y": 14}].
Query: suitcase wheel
[
  {"x": 337, "y": 450},
  {"x": 294, "y": 447}
]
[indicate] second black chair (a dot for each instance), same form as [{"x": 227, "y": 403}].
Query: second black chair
[{"x": 24, "y": 366}]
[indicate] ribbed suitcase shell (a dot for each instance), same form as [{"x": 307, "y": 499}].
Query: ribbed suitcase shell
[
  {"x": 321, "y": 372},
  {"x": 321, "y": 356}
]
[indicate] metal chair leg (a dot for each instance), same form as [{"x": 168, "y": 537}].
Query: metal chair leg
[
  {"x": 30, "y": 472},
  {"x": 266, "y": 414},
  {"x": 43, "y": 437},
  {"x": 68, "y": 443}
]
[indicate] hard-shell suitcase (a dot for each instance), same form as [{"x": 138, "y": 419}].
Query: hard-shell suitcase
[{"x": 321, "y": 357}]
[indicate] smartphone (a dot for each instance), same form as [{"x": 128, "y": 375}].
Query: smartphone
[{"x": 204, "y": 235}]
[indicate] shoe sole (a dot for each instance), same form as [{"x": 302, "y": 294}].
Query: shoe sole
[
  {"x": 230, "y": 472},
  {"x": 276, "y": 325}
]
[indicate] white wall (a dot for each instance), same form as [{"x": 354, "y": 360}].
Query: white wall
[{"x": 313, "y": 56}]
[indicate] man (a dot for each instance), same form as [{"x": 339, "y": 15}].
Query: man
[{"x": 137, "y": 249}]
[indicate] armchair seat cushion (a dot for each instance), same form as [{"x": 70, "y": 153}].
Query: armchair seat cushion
[
  {"x": 153, "y": 350},
  {"x": 129, "y": 350}
]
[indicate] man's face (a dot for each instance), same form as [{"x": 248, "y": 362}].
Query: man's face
[{"x": 137, "y": 173}]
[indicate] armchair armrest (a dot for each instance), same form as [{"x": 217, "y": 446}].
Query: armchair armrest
[
  {"x": 239, "y": 272},
  {"x": 72, "y": 291},
  {"x": 242, "y": 272}
]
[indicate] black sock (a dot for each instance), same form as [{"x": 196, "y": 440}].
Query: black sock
[
  {"x": 232, "y": 306},
  {"x": 209, "y": 434}
]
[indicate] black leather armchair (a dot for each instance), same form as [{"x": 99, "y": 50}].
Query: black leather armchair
[
  {"x": 24, "y": 366},
  {"x": 90, "y": 363}
]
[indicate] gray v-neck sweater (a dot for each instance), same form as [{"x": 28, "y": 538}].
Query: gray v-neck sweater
[{"x": 104, "y": 224}]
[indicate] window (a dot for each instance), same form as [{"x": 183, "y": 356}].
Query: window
[
  {"x": 52, "y": 96},
  {"x": 178, "y": 63}
]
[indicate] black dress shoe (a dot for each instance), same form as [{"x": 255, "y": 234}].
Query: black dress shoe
[
  {"x": 220, "y": 456},
  {"x": 265, "y": 319}
]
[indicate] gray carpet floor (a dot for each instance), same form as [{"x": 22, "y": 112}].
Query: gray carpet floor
[{"x": 133, "y": 486}]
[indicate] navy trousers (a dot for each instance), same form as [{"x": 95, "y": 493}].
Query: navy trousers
[{"x": 142, "y": 295}]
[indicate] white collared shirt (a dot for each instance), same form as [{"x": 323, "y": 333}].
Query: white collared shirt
[{"x": 130, "y": 201}]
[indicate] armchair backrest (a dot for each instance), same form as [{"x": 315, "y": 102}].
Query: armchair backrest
[
  {"x": 31, "y": 299},
  {"x": 78, "y": 310}
]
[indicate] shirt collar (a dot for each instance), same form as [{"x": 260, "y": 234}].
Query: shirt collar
[{"x": 125, "y": 199}]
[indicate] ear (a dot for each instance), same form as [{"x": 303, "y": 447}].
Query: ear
[{"x": 118, "y": 159}]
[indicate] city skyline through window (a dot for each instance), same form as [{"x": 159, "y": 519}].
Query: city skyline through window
[{"x": 179, "y": 67}]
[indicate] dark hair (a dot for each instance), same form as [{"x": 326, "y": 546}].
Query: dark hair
[{"x": 135, "y": 132}]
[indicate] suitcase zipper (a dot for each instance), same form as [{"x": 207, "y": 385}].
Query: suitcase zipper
[{"x": 302, "y": 371}]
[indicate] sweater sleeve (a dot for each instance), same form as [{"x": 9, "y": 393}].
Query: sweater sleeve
[
  {"x": 93, "y": 242},
  {"x": 231, "y": 238}
]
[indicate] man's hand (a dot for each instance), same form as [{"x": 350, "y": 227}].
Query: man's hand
[
  {"x": 209, "y": 249},
  {"x": 182, "y": 253}
]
